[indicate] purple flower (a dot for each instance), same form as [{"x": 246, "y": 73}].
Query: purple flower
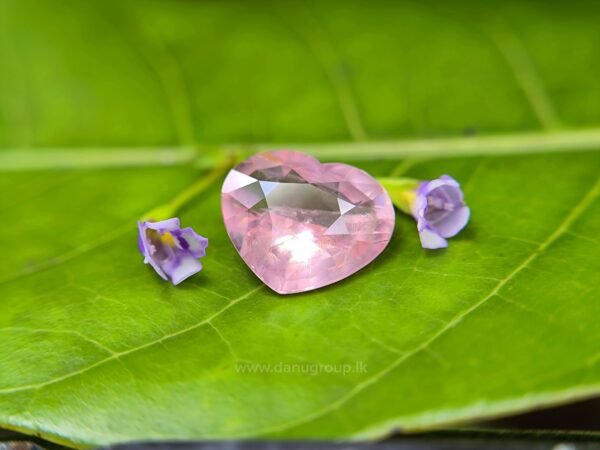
[
  {"x": 440, "y": 211},
  {"x": 172, "y": 251}
]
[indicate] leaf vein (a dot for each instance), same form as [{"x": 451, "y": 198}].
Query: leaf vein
[
  {"x": 327, "y": 56},
  {"x": 58, "y": 331},
  {"x": 563, "y": 227},
  {"x": 524, "y": 71},
  {"x": 120, "y": 355}
]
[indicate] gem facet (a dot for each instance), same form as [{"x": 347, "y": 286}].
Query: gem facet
[{"x": 299, "y": 224}]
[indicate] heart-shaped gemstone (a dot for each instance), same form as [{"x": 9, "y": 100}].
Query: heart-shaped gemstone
[{"x": 299, "y": 224}]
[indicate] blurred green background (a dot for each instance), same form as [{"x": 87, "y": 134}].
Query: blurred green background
[
  {"x": 89, "y": 85},
  {"x": 161, "y": 73}
]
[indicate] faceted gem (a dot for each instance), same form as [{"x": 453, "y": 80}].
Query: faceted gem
[{"x": 299, "y": 224}]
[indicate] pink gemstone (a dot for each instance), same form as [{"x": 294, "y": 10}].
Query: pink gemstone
[{"x": 300, "y": 224}]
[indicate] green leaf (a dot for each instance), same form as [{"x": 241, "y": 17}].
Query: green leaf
[{"x": 95, "y": 348}]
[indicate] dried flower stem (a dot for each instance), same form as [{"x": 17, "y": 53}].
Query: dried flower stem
[
  {"x": 401, "y": 190},
  {"x": 170, "y": 209}
]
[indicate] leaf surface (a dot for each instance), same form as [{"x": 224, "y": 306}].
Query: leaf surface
[{"x": 95, "y": 348}]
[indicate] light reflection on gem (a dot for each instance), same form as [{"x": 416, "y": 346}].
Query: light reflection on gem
[{"x": 301, "y": 247}]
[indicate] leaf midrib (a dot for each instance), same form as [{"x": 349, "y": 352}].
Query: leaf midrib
[{"x": 210, "y": 155}]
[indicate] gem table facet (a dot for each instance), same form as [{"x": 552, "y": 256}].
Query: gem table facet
[{"x": 299, "y": 224}]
